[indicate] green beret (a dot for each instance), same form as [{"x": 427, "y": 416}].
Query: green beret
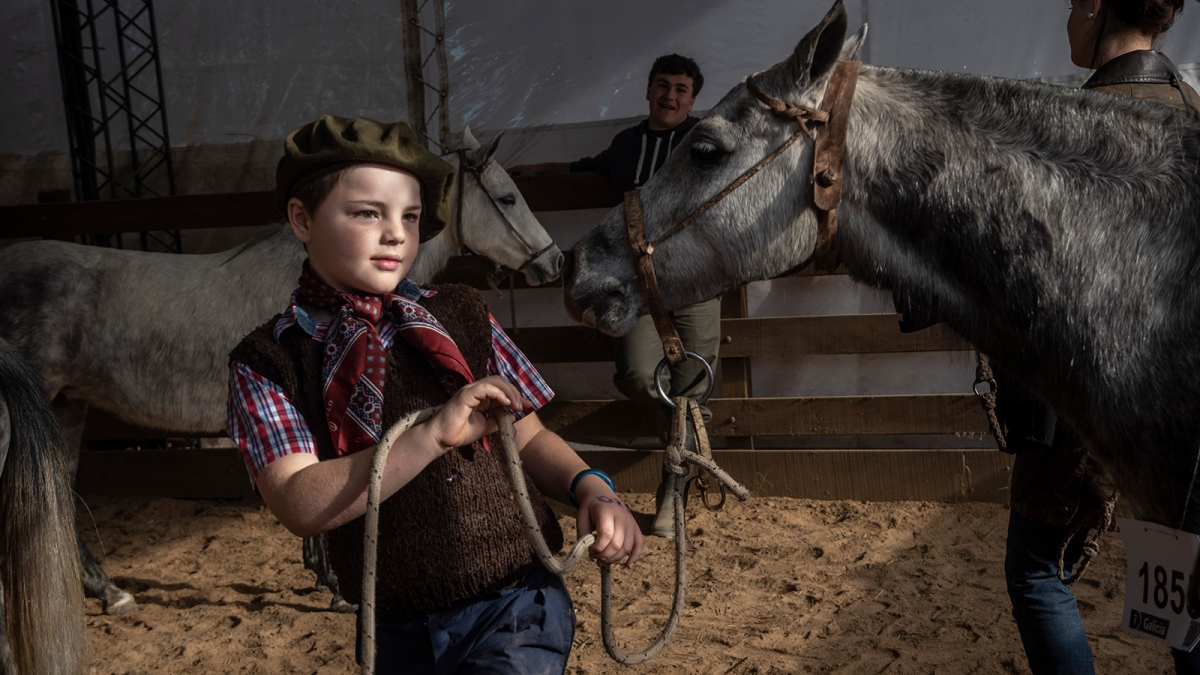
[{"x": 332, "y": 143}]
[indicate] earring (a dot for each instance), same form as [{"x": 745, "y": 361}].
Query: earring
[{"x": 1091, "y": 15}]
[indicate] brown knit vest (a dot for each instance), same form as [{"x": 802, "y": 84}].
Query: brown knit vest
[{"x": 454, "y": 531}]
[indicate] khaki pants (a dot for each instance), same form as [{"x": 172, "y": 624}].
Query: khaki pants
[{"x": 639, "y": 353}]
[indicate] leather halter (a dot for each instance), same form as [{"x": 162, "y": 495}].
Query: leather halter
[
  {"x": 829, "y": 149},
  {"x": 464, "y": 168}
]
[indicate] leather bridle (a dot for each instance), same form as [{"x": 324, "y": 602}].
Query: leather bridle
[
  {"x": 464, "y": 168},
  {"x": 829, "y": 150}
]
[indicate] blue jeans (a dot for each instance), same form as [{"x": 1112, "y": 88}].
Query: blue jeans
[
  {"x": 525, "y": 629},
  {"x": 1044, "y": 607}
]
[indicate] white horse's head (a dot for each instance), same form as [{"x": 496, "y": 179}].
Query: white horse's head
[
  {"x": 761, "y": 229},
  {"x": 491, "y": 218}
]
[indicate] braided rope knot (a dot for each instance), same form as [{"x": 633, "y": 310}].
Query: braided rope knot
[
  {"x": 1098, "y": 519},
  {"x": 801, "y": 114}
]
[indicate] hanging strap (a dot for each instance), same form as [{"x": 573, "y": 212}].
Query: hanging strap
[
  {"x": 644, "y": 267},
  {"x": 828, "y": 155}
]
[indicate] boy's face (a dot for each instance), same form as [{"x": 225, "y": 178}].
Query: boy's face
[
  {"x": 671, "y": 100},
  {"x": 364, "y": 236}
]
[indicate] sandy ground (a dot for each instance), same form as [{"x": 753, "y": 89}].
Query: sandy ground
[{"x": 774, "y": 586}]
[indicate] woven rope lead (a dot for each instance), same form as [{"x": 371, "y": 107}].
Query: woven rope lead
[
  {"x": 984, "y": 375},
  {"x": 512, "y": 455},
  {"x": 1099, "y": 519},
  {"x": 676, "y": 456},
  {"x": 371, "y": 533},
  {"x": 371, "y": 523}
]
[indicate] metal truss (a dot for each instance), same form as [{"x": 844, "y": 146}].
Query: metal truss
[
  {"x": 112, "y": 89},
  {"x": 416, "y": 18}
]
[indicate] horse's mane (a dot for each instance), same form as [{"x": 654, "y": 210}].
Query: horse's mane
[
  {"x": 1052, "y": 149},
  {"x": 267, "y": 233},
  {"x": 1064, "y": 131}
]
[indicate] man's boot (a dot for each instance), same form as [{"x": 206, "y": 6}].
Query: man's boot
[{"x": 664, "y": 501}]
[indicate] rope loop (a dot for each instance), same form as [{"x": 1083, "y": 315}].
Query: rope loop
[
  {"x": 677, "y": 456},
  {"x": 1100, "y": 519}
]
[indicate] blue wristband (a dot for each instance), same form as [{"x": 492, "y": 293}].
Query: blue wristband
[{"x": 588, "y": 472}]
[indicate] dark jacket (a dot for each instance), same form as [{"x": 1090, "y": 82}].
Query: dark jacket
[
  {"x": 635, "y": 154},
  {"x": 1147, "y": 76}
]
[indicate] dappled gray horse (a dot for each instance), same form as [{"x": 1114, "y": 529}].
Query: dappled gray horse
[
  {"x": 39, "y": 566},
  {"x": 1056, "y": 229},
  {"x": 147, "y": 336}
]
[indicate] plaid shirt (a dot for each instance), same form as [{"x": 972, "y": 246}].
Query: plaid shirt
[{"x": 266, "y": 426}]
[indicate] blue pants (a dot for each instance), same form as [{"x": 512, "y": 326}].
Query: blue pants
[
  {"x": 1044, "y": 608},
  {"x": 525, "y": 629}
]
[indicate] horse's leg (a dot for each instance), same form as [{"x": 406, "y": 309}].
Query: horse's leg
[
  {"x": 71, "y": 414},
  {"x": 96, "y": 584},
  {"x": 317, "y": 560}
]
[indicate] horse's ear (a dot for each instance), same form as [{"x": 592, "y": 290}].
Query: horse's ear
[
  {"x": 818, "y": 51},
  {"x": 853, "y": 45},
  {"x": 491, "y": 151},
  {"x": 468, "y": 140}
]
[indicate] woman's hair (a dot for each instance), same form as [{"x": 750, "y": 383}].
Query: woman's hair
[{"x": 1149, "y": 17}]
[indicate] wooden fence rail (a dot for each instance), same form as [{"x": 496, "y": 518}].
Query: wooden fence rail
[{"x": 739, "y": 417}]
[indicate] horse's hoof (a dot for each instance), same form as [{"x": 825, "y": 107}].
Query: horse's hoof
[
  {"x": 339, "y": 605},
  {"x": 124, "y": 604}
]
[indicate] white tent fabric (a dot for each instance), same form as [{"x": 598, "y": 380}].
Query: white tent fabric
[
  {"x": 238, "y": 72},
  {"x": 569, "y": 75},
  {"x": 560, "y": 78}
]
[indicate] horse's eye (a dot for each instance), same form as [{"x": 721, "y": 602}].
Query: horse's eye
[
  {"x": 706, "y": 151},
  {"x": 508, "y": 200}
]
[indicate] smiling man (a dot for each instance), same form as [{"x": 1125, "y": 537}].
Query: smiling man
[
  {"x": 637, "y": 152},
  {"x": 632, "y": 158}
]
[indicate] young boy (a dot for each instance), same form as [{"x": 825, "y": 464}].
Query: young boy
[{"x": 360, "y": 346}]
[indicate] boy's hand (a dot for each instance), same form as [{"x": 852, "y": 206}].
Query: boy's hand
[
  {"x": 462, "y": 420},
  {"x": 617, "y": 533}
]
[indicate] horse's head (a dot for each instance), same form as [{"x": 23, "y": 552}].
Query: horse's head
[
  {"x": 759, "y": 230},
  {"x": 492, "y": 219}
]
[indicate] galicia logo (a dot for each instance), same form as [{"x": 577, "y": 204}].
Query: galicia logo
[{"x": 1149, "y": 624}]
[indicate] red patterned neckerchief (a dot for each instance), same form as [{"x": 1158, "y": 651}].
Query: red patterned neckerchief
[{"x": 353, "y": 368}]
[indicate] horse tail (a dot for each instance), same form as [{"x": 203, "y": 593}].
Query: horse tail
[{"x": 39, "y": 558}]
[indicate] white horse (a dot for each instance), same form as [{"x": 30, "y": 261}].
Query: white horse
[
  {"x": 1056, "y": 229},
  {"x": 147, "y": 336},
  {"x": 39, "y": 566}
]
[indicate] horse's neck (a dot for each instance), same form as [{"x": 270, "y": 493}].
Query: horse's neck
[
  {"x": 1011, "y": 212},
  {"x": 434, "y": 254},
  {"x": 276, "y": 257}
]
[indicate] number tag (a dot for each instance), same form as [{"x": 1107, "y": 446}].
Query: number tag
[{"x": 1161, "y": 562}]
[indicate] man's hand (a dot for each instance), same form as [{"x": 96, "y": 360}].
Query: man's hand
[{"x": 539, "y": 169}]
